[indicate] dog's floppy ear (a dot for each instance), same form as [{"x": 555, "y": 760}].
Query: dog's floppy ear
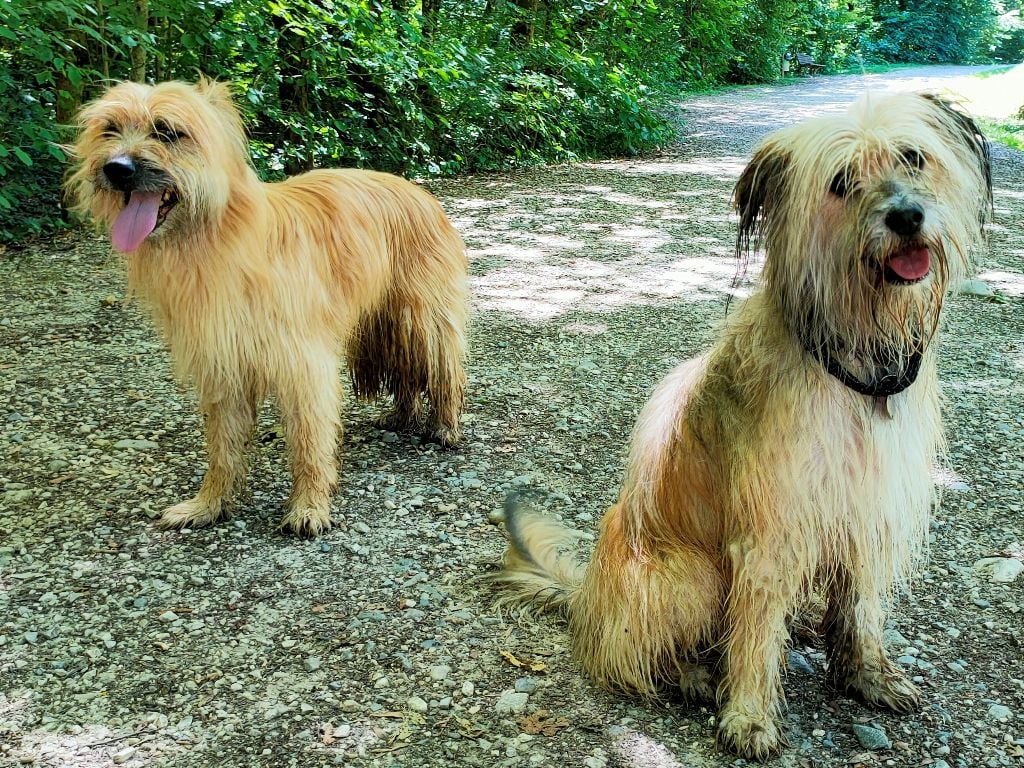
[
  {"x": 760, "y": 187},
  {"x": 964, "y": 130}
]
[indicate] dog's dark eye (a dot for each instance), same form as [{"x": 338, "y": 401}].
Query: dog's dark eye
[
  {"x": 841, "y": 184},
  {"x": 110, "y": 131},
  {"x": 913, "y": 159},
  {"x": 165, "y": 133}
]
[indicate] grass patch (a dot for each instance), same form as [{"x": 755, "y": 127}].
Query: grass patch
[
  {"x": 1008, "y": 132},
  {"x": 993, "y": 72}
]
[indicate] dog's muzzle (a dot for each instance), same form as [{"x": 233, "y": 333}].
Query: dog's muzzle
[
  {"x": 149, "y": 196},
  {"x": 911, "y": 262}
]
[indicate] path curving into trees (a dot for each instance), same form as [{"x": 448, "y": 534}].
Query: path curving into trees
[{"x": 236, "y": 646}]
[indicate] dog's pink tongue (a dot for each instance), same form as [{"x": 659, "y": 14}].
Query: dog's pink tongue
[
  {"x": 134, "y": 223},
  {"x": 911, "y": 264}
]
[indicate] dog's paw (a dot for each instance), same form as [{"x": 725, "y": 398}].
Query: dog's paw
[
  {"x": 695, "y": 683},
  {"x": 194, "y": 513},
  {"x": 401, "y": 420},
  {"x": 306, "y": 522},
  {"x": 887, "y": 687},
  {"x": 449, "y": 437},
  {"x": 750, "y": 736}
]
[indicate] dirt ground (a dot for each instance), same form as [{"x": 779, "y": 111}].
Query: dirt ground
[{"x": 376, "y": 645}]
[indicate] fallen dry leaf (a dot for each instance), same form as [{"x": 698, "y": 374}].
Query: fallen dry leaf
[
  {"x": 523, "y": 663},
  {"x": 543, "y": 722}
]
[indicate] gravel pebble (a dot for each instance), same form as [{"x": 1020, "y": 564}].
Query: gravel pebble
[
  {"x": 870, "y": 737},
  {"x": 511, "y": 702},
  {"x": 999, "y": 712},
  {"x": 1000, "y": 570}
]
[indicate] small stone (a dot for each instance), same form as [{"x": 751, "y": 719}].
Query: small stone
[
  {"x": 123, "y": 755},
  {"x": 381, "y": 682},
  {"x": 416, "y": 704},
  {"x": 974, "y": 288},
  {"x": 999, "y": 712},
  {"x": 511, "y": 702},
  {"x": 468, "y": 689},
  {"x": 311, "y": 663},
  {"x": 350, "y": 705},
  {"x": 894, "y": 638},
  {"x": 526, "y": 685},
  {"x": 343, "y": 731},
  {"x": 168, "y": 616},
  {"x": 439, "y": 672},
  {"x": 798, "y": 663},
  {"x": 136, "y": 445},
  {"x": 870, "y": 737},
  {"x": 1000, "y": 570}
]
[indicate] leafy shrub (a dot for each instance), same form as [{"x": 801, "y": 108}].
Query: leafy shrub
[{"x": 435, "y": 87}]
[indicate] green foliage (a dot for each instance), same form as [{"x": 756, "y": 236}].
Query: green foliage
[
  {"x": 1008, "y": 44},
  {"x": 434, "y": 86},
  {"x": 933, "y": 31}
]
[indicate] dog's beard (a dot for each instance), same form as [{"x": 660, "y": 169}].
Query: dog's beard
[{"x": 875, "y": 311}]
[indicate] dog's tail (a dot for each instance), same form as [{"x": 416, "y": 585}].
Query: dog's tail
[{"x": 536, "y": 575}]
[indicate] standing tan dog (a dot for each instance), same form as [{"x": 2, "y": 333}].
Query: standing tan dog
[
  {"x": 262, "y": 288},
  {"x": 799, "y": 451}
]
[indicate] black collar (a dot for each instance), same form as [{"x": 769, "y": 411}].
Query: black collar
[{"x": 891, "y": 383}]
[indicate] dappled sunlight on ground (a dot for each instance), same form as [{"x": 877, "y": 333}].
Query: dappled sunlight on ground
[
  {"x": 1005, "y": 282},
  {"x": 602, "y": 236},
  {"x": 638, "y": 750},
  {"x": 81, "y": 746}
]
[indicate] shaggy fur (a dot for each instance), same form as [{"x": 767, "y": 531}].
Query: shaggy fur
[
  {"x": 754, "y": 473},
  {"x": 262, "y": 288}
]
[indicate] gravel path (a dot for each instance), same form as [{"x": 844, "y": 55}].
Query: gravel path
[{"x": 376, "y": 645}]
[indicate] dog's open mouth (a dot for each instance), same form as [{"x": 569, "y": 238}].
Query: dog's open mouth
[
  {"x": 907, "y": 265},
  {"x": 142, "y": 214}
]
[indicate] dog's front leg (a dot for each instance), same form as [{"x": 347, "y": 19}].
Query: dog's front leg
[
  {"x": 229, "y": 423},
  {"x": 758, "y": 604},
  {"x": 310, "y": 400},
  {"x": 857, "y": 662}
]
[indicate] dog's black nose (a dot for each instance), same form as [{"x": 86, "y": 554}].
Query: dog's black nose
[
  {"x": 905, "y": 220},
  {"x": 120, "y": 171}
]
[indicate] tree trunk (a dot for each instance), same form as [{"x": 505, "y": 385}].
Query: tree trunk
[
  {"x": 293, "y": 92},
  {"x": 138, "y": 55},
  {"x": 524, "y": 28},
  {"x": 430, "y": 10},
  {"x": 69, "y": 93}
]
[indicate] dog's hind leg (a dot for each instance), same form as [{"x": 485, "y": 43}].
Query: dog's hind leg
[
  {"x": 229, "y": 423},
  {"x": 857, "y": 662},
  {"x": 446, "y": 379},
  {"x": 310, "y": 400},
  {"x": 642, "y": 614},
  {"x": 409, "y": 348}
]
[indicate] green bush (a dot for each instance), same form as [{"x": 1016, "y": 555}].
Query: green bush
[{"x": 435, "y": 86}]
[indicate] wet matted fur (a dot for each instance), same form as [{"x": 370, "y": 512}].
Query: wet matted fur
[
  {"x": 262, "y": 288},
  {"x": 799, "y": 451}
]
